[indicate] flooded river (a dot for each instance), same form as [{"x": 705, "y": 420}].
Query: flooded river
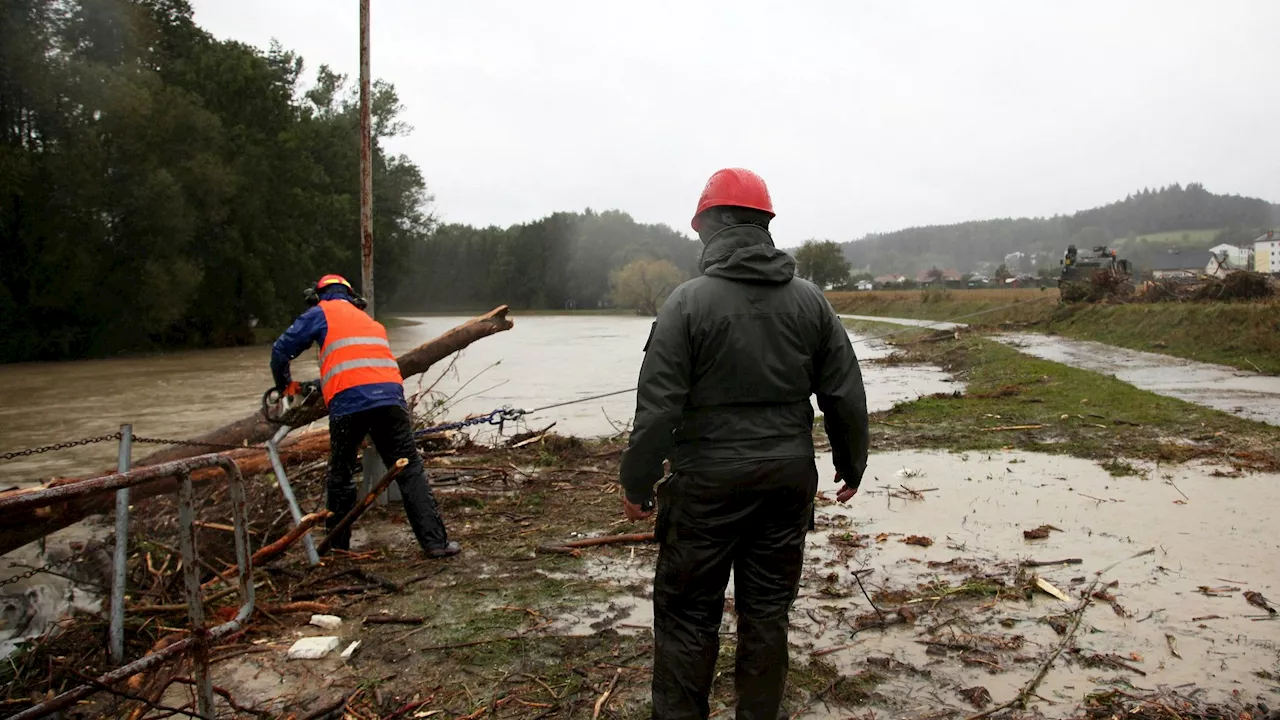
[{"x": 542, "y": 360}]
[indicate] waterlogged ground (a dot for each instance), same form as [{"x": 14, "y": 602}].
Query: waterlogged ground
[
  {"x": 1249, "y": 395},
  {"x": 527, "y": 633}
]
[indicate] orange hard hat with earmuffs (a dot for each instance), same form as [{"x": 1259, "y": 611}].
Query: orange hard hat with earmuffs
[
  {"x": 734, "y": 187},
  {"x": 328, "y": 280}
]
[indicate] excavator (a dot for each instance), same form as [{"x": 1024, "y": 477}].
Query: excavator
[{"x": 1080, "y": 267}]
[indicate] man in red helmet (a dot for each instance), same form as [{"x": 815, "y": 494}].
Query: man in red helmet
[
  {"x": 361, "y": 384},
  {"x": 724, "y": 394}
]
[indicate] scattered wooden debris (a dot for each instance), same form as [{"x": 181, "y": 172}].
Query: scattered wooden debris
[
  {"x": 1039, "y": 533},
  {"x": 1050, "y": 563},
  {"x": 1049, "y": 589},
  {"x": 1255, "y": 599}
]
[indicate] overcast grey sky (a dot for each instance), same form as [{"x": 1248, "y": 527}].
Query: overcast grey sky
[{"x": 861, "y": 116}]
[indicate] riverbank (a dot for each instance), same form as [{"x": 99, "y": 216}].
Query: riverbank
[
  {"x": 1244, "y": 335},
  {"x": 1015, "y": 400}
]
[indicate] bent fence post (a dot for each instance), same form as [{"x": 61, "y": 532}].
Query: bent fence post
[
  {"x": 119, "y": 569},
  {"x": 201, "y": 637},
  {"x": 286, "y": 489}
]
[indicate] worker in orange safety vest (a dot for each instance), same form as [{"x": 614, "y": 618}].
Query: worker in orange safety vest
[{"x": 361, "y": 383}]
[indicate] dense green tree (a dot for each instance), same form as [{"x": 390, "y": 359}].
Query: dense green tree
[
  {"x": 823, "y": 263},
  {"x": 160, "y": 187}
]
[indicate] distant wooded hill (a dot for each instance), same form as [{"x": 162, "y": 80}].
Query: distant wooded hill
[{"x": 1173, "y": 216}]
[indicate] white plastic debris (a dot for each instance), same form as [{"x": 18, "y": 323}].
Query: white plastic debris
[
  {"x": 312, "y": 648},
  {"x": 351, "y": 650},
  {"x": 328, "y": 622}
]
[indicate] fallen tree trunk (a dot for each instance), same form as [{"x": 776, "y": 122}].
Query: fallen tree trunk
[
  {"x": 19, "y": 528},
  {"x": 256, "y": 429}
]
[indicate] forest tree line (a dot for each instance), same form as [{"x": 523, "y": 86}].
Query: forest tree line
[
  {"x": 563, "y": 261},
  {"x": 161, "y": 188},
  {"x": 963, "y": 245}
]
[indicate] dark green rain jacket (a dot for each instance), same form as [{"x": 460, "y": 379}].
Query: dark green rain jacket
[{"x": 731, "y": 363}]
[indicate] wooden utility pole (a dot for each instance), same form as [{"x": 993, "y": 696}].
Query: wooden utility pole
[
  {"x": 366, "y": 163},
  {"x": 370, "y": 463}
]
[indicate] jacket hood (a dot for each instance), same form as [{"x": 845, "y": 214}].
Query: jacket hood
[
  {"x": 335, "y": 294},
  {"x": 745, "y": 253}
]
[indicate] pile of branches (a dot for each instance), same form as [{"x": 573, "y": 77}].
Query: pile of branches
[
  {"x": 1102, "y": 286},
  {"x": 1240, "y": 285}
]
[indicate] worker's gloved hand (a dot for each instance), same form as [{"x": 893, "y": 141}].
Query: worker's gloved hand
[
  {"x": 847, "y": 492},
  {"x": 635, "y": 512},
  {"x": 293, "y": 388}
]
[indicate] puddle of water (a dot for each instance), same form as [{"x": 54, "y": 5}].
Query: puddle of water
[
  {"x": 1245, "y": 394},
  {"x": 935, "y": 324},
  {"x": 32, "y": 607},
  {"x": 975, "y": 510}
]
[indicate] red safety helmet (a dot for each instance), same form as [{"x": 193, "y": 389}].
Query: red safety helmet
[
  {"x": 736, "y": 187},
  {"x": 328, "y": 280}
]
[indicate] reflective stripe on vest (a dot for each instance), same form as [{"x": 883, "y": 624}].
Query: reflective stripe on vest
[
  {"x": 353, "y": 364},
  {"x": 355, "y": 351},
  {"x": 348, "y": 342}
]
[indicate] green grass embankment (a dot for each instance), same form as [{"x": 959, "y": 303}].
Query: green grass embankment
[
  {"x": 1014, "y": 400},
  {"x": 1244, "y": 335}
]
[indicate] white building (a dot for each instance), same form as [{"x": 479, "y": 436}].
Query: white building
[
  {"x": 1266, "y": 253},
  {"x": 1238, "y": 258}
]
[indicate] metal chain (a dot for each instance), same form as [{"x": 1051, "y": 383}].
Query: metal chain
[
  {"x": 497, "y": 417},
  {"x": 58, "y": 446},
  {"x": 192, "y": 443},
  {"x": 89, "y": 547}
]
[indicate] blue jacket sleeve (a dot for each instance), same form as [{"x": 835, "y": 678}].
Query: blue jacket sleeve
[{"x": 310, "y": 327}]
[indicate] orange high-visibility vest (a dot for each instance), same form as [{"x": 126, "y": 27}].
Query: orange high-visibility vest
[{"x": 355, "y": 350}]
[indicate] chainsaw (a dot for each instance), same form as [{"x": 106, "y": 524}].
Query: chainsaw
[{"x": 281, "y": 406}]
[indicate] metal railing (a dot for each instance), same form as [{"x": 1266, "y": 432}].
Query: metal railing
[{"x": 197, "y": 645}]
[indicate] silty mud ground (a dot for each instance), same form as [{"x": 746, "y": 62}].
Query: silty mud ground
[{"x": 527, "y": 634}]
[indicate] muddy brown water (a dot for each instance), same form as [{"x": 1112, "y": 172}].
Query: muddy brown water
[
  {"x": 542, "y": 360},
  {"x": 1204, "y": 530}
]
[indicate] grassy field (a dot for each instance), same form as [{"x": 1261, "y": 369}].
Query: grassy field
[
  {"x": 1015, "y": 400},
  {"x": 997, "y": 306},
  {"x": 1244, "y": 335}
]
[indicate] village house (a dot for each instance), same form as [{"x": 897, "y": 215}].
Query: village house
[
  {"x": 1226, "y": 259},
  {"x": 883, "y": 280},
  {"x": 1182, "y": 265},
  {"x": 949, "y": 275},
  {"x": 1266, "y": 254}
]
